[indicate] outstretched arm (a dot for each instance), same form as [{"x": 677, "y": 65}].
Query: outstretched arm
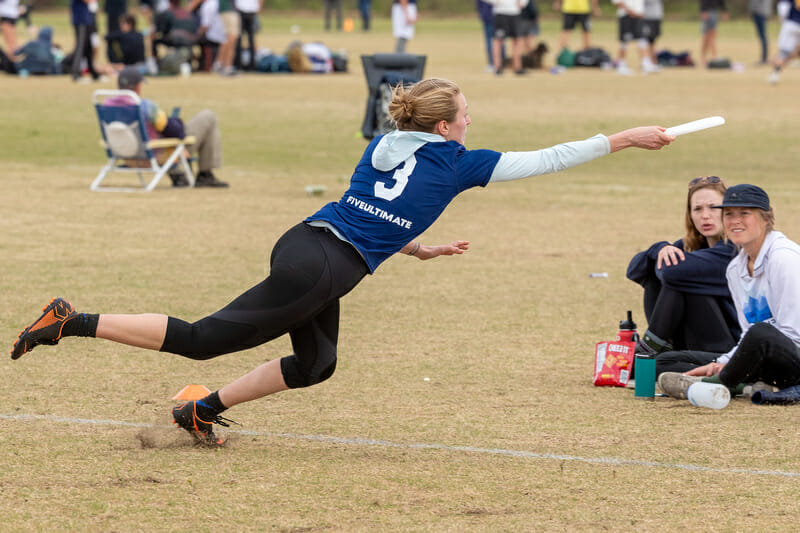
[
  {"x": 517, "y": 165},
  {"x": 423, "y": 252}
]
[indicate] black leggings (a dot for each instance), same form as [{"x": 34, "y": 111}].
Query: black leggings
[
  {"x": 765, "y": 354},
  {"x": 249, "y": 28},
  {"x": 683, "y": 361},
  {"x": 310, "y": 269},
  {"x": 689, "y": 321},
  {"x": 83, "y": 49}
]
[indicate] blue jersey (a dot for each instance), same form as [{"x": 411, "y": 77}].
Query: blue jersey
[{"x": 383, "y": 211}]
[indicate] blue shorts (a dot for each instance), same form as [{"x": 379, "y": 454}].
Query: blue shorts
[{"x": 711, "y": 22}]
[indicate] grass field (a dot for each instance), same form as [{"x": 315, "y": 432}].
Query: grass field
[{"x": 507, "y": 433}]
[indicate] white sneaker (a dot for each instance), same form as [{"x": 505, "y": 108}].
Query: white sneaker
[
  {"x": 624, "y": 70},
  {"x": 774, "y": 77},
  {"x": 749, "y": 390},
  {"x": 675, "y": 384},
  {"x": 650, "y": 68},
  {"x": 152, "y": 66}
]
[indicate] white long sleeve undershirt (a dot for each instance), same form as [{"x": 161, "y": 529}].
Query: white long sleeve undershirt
[{"x": 517, "y": 165}]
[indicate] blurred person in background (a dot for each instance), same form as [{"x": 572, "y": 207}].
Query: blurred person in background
[
  {"x": 175, "y": 27},
  {"x": 651, "y": 30},
  {"x": 37, "y": 55},
  {"x": 630, "y": 16},
  {"x": 232, "y": 24},
  {"x": 365, "y": 9},
  {"x": 507, "y": 24},
  {"x": 332, "y": 6},
  {"x": 711, "y": 11},
  {"x": 9, "y": 12},
  {"x": 788, "y": 38},
  {"x": 576, "y": 13},
  {"x": 404, "y": 20},
  {"x": 529, "y": 26},
  {"x": 760, "y": 11},
  {"x": 248, "y": 13},
  {"x": 114, "y": 9},
  {"x": 126, "y": 45},
  {"x": 211, "y": 36},
  {"x": 484, "y": 9},
  {"x": 150, "y": 9},
  {"x": 83, "y": 23}
]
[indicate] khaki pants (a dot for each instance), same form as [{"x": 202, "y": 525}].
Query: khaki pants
[{"x": 208, "y": 146}]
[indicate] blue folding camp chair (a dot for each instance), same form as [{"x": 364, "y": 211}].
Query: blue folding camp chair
[{"x": 129, "y": 148}]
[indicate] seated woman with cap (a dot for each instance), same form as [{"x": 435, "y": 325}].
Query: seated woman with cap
[
  {"x": 686, "y": 299},
  {"x": 764, "y": 282}
]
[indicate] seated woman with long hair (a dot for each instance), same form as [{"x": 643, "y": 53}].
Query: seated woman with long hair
[{"x": 686, "y": 299}]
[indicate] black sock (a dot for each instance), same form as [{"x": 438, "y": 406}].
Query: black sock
[
  {"x": 81, "y": 325},
  {"x": 210, "y": 406}
]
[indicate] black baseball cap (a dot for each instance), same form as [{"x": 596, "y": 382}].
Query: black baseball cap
[
  {"x": 129, "y": 78},
  {"x": 745, "y": 195}
]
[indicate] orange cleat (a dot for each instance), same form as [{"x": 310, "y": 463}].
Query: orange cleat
[
  {"x": 46, "y": 329},
  {"x": 185, "y": 416}
]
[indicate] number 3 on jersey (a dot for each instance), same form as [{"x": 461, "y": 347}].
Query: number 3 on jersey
[{"x": 400, "y": 178}]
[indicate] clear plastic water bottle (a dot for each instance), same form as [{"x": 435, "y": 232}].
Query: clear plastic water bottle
[{"x": 711, "y": 395}]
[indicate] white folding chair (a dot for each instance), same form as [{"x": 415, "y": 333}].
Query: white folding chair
[{"x": 128, "y": 146}]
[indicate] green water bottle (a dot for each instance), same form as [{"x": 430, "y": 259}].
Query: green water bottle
[{"x": 645, "y": 383}]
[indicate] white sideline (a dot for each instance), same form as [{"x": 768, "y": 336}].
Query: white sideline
[{"x": 424, "y": 446}]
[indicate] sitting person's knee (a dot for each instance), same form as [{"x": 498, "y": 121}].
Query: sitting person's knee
[
  {"x": 760, "y": 329},
  {"x": 672, "y": 276}
]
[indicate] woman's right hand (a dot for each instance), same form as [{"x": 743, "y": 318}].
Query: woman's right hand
[
  {"x": 669, "y": 255},
  {"x": 647, "y": 137},
  {"x": 711, "y": 369}
]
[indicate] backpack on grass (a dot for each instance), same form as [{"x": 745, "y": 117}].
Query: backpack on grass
[{"x": 592, "y": 57}]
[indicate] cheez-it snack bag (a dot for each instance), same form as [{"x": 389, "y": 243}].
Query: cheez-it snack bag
[{"x": 613, "y": 363}]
